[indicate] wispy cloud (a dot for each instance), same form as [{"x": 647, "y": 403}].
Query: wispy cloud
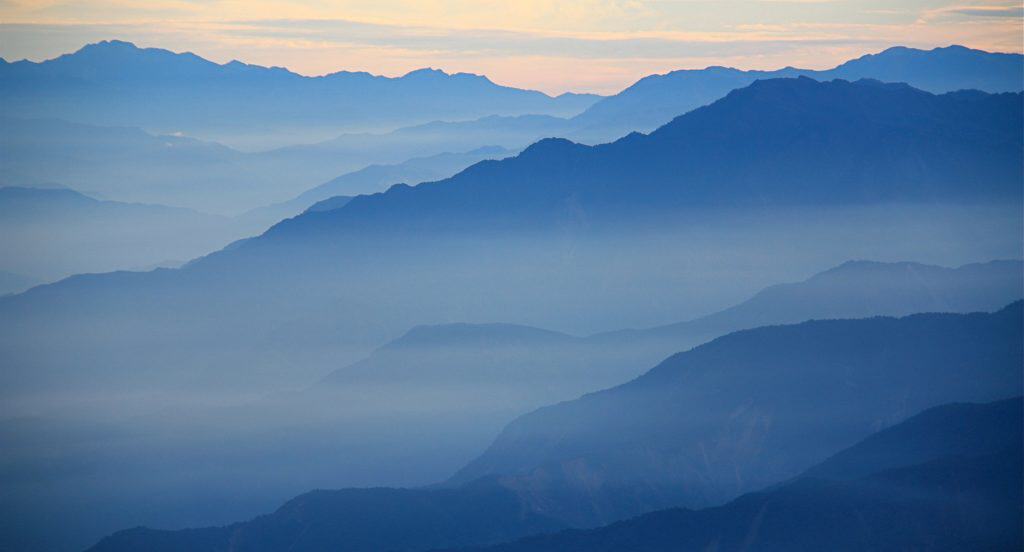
[
  {"x": 1005, "y": 10},
  {"x": 990, "y": 11}
]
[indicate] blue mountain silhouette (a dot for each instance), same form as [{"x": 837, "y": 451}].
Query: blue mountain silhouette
[
  {"x": 776, "y": 142},
  {"x": 946, "y": 479},
  {"x": 115, "y": 82},
  {"x": 657, "y": 99}
]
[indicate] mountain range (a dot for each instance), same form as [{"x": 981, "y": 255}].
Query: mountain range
[
  {"x": 748, "y": 410},
  {"x": 50, "y": 233},
  {"x": 755, "y": 427},
  {"x": 116, "y": 83},
  {"x": 110, "y": 156},
  {"x": 72, "y": 233},
  {"x": 483, "y": 373},
  {"x": 522, "y": 234},
  {"x": 657, "y": 99},
  {"x": 128, "y": 164},
  {"x": 854, "y": 289},
  {"x": 458, "y": 332},
  {"x": 815, "y": 144}
]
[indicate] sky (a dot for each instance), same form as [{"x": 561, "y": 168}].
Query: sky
[{"x": 556, "y": 46}]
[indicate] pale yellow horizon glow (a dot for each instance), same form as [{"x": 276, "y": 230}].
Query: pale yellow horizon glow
[{"x": 555, "y": 46}]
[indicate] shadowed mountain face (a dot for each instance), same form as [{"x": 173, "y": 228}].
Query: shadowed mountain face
[
  {"x": 747, "y": 410},
  {"x": 946, "y": 479},
  {"x": 657, "y": 99},
  {"x": 113, "y": 82}
]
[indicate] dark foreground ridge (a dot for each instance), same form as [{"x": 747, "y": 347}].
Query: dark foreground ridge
[{"x": 947, "y": 479}]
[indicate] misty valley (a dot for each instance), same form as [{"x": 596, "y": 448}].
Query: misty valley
[{"x": 246, "y": 309}]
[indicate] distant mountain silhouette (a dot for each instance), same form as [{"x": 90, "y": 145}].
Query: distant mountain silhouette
[
  {"x": 507, "y": 131},
  {"x": 55, "y": 232},
  {"x": 131, "y": 165},
  {"x": 446, "y": 341},
  {"x": 946, "y": 479},
  {"x": 443, "y": 391},
  {"x": 113, "y": 83},
  {"x": 481, "y": 375},
  {"x": 938, "y": 70},
  {"x": 657, "y": 99},
  {"x": 747, "y": 410},
  {"x": 123, "y": 163},
  {"x": 116, "y": 83},
  {"x": 378, "y": 178},
  {"x": 329, "y": 204},
  {"x": 855, "y": 289}
]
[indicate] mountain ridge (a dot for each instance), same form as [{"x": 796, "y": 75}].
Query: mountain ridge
[
  {"x": 654, "y": 100},
  {"x": 113, "y": 81},
  {"x": 671, "y": 155},
  {"x": 825, "y": 502},
  {"x": 561, "y": 451}
]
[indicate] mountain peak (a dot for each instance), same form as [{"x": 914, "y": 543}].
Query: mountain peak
[
  {"x": 108, "y": 57},
  {"x": 906, "y": 50},
  {"x": 109, "y": 45},
  {"x": 549, "y": 146},
  {"x": 433, "y": 74},
  {"x": 425, "y": 72}
]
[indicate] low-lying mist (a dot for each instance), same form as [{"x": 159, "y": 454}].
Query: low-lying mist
[{"x": 274, "y": 379}]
